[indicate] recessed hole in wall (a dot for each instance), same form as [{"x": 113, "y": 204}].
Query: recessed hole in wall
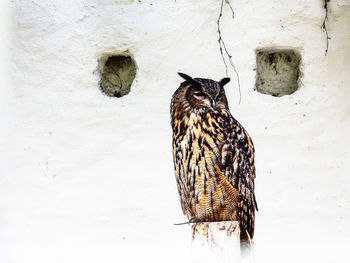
[
  {"x": 277, "y": 71},
  {"x": 117, "y": 75}
]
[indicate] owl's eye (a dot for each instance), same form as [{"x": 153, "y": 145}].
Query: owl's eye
[{"x": 199, "y": 95}]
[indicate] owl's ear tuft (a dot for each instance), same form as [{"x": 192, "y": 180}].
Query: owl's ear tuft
[
  {"x": 224, "y": 81},
  {"x": 186, "y": 77}
]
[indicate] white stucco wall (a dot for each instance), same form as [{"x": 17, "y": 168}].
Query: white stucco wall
[{"x": 90, "y": 178}]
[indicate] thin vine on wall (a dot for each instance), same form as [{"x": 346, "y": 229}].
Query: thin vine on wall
[
  {"x": 222, "y": 46},
  {"x": 324, "y": 26}
]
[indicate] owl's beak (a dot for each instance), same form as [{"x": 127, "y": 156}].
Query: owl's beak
[{"x": 213, "y": 103}]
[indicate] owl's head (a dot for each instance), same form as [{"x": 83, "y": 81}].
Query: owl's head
[{"x": 205, "y": 93}]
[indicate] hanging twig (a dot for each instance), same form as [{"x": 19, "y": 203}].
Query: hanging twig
[
  {"x": 223, "y": 47},
  {"x": 229, "y": 4},
  {"x": 324, "y": 24},
  {"x": 220, "y": 39}
]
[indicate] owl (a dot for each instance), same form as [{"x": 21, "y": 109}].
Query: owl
[{"x": 213, "y": 156}]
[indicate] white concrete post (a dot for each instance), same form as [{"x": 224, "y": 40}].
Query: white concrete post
[{"x": 216, "y": 241}]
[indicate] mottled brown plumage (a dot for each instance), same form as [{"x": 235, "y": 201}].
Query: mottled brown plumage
[{"x": 213, "y": 156}]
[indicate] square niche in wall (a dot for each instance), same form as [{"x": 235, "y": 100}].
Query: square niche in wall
[
  {"x": 278, "y": 71},
  {"x": 117, "y": 74}
]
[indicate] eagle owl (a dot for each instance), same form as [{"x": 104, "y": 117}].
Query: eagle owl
[{"x": 213, "y": 156}]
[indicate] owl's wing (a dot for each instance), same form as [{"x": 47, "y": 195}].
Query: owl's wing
[{"x": 237, "y": 160}]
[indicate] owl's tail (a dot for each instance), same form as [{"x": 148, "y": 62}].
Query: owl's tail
[{"x": 246, "y": 214}]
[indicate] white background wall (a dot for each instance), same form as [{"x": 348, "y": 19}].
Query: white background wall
[{"x": 88, "y": 178}]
